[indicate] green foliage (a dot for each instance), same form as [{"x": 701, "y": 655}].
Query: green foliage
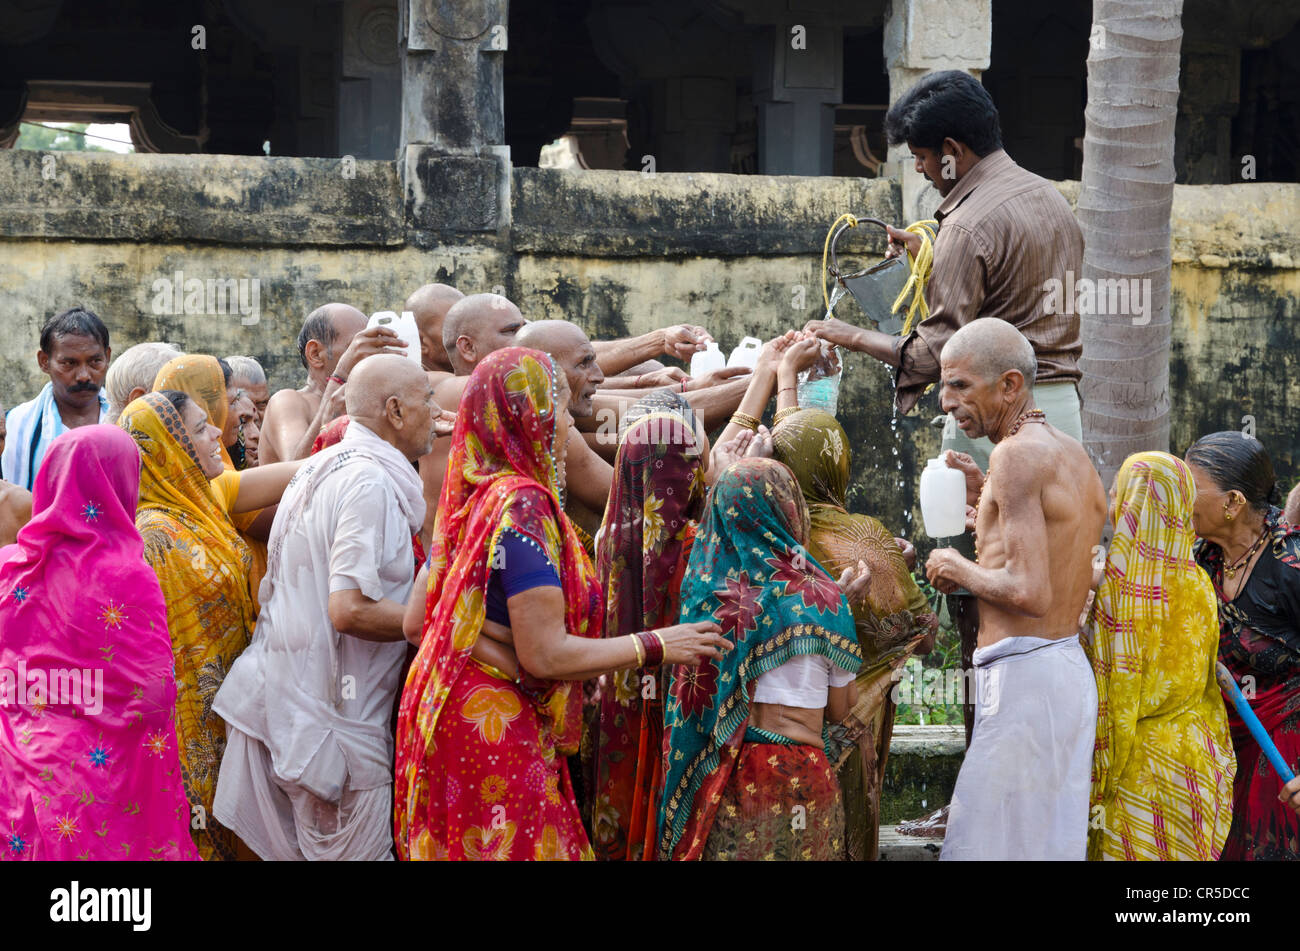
[
  {"x": 47, "y": 139},
  {"x": 945, "y": 656}
]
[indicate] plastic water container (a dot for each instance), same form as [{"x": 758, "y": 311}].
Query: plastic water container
[
  {"x": 943, "y": 500},
  {"x": 746, "y": 355},
  {"x": 819, "y": 385},
  {"x": 707, "y": 360},
  {"x": 404, "y": 326}
]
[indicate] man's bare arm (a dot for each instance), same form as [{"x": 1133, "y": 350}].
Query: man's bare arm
[
  {"x": 351, "y": 612},
  {"x": 589, "y": 476},
  {"x": 1023, "y": 583},
  {"x": 615, "y": 356}
]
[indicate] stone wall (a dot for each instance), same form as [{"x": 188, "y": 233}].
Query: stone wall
[{"x": 619, "y": 252}]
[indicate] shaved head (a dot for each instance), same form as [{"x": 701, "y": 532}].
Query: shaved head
[
  {"x": 989, "y": 347},
  {"x": 430, "y": 304},
  {"x": 326, "y": 333},
  {"x": 391, "y": 396},
  {"x": 476, "y": 326},
  {"x": 987, "y": 371},
  {"x": 573, "y": 353}
]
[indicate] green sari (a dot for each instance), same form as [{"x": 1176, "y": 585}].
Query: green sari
[{"x": 891, "y": 622}]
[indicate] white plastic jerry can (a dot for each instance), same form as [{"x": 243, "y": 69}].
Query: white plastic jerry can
[
  {"x": 404, "y": 326},
  {"x": 746, "y": 354},
  {"x": 707, "y": 360},
  {"x": 943, "y": 499}
]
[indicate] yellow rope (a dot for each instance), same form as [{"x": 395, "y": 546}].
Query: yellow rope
[
  {"x": 922, "y": 265},
  {"x": 826, "y": 248}
]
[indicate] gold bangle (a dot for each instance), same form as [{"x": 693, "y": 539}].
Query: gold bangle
[
  {"x": 784, "y": 414},
  {"x": 745, "y": 421},
  {"x": 640, "y": 651}
]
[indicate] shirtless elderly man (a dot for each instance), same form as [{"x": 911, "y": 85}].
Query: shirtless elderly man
[
  {"x": 333, "y": 339},
  {"x": 1022, "y": 792}
]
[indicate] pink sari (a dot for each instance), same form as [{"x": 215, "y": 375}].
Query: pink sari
[{"x": 89, "y": 767}]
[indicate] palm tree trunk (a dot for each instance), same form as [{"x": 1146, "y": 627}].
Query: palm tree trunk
[{"x": 1124, "y": 206}]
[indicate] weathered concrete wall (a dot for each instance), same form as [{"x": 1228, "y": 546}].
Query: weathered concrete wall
[{"x": 619, "y": 252}]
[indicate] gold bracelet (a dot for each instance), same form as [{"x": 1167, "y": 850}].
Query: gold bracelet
[
  {"x": 745, "y": 421},
  {"x": 784, "y": 414},
  {"x": 640, "y": 651}
]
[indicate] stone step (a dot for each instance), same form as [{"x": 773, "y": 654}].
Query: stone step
[{"x": 895, "y": 847}]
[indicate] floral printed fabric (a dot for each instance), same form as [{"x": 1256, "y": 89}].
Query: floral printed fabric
[
  {"x": 656, "y": 498},
  {"x": 203, "y": 565},
  {"x": 1163, "y": 763},
  {"x": 749, "y": 571},
  {"x": 1259, "y": 637},
  {"x": 783, "y": 804},
  {"x": 891, "y": 622},
  {"x": 500, "y": 474},
  {"x": 90, "y": 763}
]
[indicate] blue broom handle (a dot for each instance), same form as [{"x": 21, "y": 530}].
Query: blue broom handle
[{"x": 1229, "y": 685}]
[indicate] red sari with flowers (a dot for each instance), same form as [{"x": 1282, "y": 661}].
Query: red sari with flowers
[
  {"x": 481, "y": 770},
  {"x": 657, "y": 494}
]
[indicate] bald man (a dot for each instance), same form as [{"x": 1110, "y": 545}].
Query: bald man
[
  {"x": 1023, "y": 789},
  {"x": 308, "y": 767},
  {"x": 472, "y": 327},
  {"x": 333, "y": 340},
  {"x": 430, "y": 304}
]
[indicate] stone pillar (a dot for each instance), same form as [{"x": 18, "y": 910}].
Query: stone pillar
[
  {"x": 370, "y": 93},
  {"x": 455, "y": 168},
  {"x": 799, "y": 80},
  {"x": 927, "y": 36}
]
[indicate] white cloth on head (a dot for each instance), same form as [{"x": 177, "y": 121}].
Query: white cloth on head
[
  {"x": 1023, "y": 788},
  {"x": 320, "y": 702}
]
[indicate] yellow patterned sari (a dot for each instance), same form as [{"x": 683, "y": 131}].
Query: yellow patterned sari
[
  {"x": 202, "y": 565},
  {"x": 1163, "y": 767},
  {"x": 199, "y": 376}
]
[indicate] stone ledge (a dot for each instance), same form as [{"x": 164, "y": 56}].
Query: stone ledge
[
  {"x": 222, "y": 199},
  {"x": 625, "y": 214},
  {"x": 895, "y": 847}
]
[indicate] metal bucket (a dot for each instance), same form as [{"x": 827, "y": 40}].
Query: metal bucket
[{"x": 875, "y": 288}]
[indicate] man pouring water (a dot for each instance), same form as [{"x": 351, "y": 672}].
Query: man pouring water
[{"x": 1005, "y": 236}]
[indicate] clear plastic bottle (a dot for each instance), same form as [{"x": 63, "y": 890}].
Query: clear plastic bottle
[{"x": 819, "y": 385}]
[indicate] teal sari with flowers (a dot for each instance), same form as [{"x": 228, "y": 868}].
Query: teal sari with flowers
[{"x": 749, "y": 572}]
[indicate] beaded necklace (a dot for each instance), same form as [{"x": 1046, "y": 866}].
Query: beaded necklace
[{"x": 1033, "y": 416}]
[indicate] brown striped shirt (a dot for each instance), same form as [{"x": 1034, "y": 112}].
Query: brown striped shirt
[{"x": 1004, "y": 233}]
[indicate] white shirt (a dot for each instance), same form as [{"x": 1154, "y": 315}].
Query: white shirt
[
  {"x": 802, "y": 681},
  {"x": 309, "y": 693},
  {"x": 32, "y": 427}
]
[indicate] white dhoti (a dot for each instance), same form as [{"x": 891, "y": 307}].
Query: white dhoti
[
  {"x": 283, "y": 822},
  {"x": 1023, "y": 789}
]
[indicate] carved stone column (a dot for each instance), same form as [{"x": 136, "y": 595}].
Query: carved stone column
[{"x": 455, "y": 168}]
